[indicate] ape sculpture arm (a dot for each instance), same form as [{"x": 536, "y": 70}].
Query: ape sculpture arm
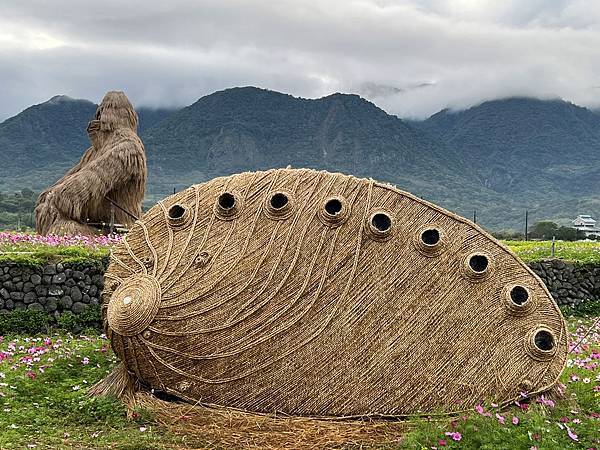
[{"x": 114, "y": 168}]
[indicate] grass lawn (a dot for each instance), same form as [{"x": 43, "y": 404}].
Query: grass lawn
[
  {"x": 579, "y": 251},
  {"x": 43, "y": 383},
  {"x": 33, "y": 250}
]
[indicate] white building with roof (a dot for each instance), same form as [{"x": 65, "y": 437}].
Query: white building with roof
[{"x": 586, "y": 225}]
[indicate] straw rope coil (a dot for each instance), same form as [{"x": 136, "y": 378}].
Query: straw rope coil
[{"x": 320, "y": 294}]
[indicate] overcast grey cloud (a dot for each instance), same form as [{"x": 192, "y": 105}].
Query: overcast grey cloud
[{"x": 411, "y": 57}]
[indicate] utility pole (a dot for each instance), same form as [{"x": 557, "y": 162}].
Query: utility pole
[
  {"x": 526, "y": 228},
  {"x": 474, "y": 216}
]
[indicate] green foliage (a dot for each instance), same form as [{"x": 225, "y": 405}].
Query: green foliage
[
  {"x": 39, "y": 254},
  {"x": 16, "y": 209},
  {"x": 584, "y": 309},
  {"x": 27, "y": 321},
  {"x": 24, "y": 321},
  {"x": 543, "y": 230},
  {"x": 547, "y": 230},
  {"x": 511, "y": 235}
]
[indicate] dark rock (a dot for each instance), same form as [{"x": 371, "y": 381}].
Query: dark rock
[
  {"x": 69, "y": 273},
  {"x": 42, "y": 300},
  {"x": 60, "y": 267},
  {"x": 51, "y": 305},
  {"x": 4, "y": 293},
  {"x": 50, "y": 269},
  {"x": 78, "y": 276},
  {"x": 14, "y": 271},
  {"x": 35, "y": 307},
  {"x": 78, "y": 307},
  {"x": 20, "y": 305},
  {"x": 47, "y": 279},
  {"x": 41, "y": 290},
  {"x": 30, "y": 297},
  {"x": 28, "y": 287},
  {"x": 19, "y": 286},
  {"x": 66, "y": 302},
  {"x": 76, "y": 294},
  {"x": 26, "y": 273},
  {"x": 9, "y": 285},
  {"x": 17, "y": 295},
  {"x": 94, "y": 301},
  {"x": 55, "y": 291},
  {"x": 1, "y": 303},
  {"x": 85, "y": 298},
  {"x": 93, "y": 290},
  {"x": 81, "y": 284},
  {"x": 67, "y": 290},
  {"x": 9, "y": 304},
  {"x": 70, "y": 282},
  {"x": 36, "y": 279},
  {"x": 59, "y": 278},
  {"x": 98, "y": 280}
]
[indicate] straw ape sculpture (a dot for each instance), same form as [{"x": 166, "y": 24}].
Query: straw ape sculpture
[{"x": 114, "y": 168}]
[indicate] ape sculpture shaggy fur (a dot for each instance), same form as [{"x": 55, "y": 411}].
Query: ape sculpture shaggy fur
[{"x": 111, "y": 172}]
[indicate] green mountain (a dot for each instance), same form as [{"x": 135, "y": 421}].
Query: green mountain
[
  {"x": 542, "y": 155},
  {"x": 499, "y": 158},
  {"x": 248, "y": 128}
]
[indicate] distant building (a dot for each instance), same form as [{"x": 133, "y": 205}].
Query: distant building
[{"x": 586, "y": 225}]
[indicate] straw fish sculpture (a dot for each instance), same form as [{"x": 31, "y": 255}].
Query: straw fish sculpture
[{"x": 320, "y": 294}]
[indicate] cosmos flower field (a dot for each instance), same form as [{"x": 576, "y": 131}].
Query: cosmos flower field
[
  {"x": 43, "y": 401},
  {"x": 44, "y": 380}
]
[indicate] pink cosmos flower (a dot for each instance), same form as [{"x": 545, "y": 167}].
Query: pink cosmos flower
[
  {"x": 546, "y": 401},
  {"x": 515, "y": 420},
  {"x": 455, "y": 435},
  {"x": 500, "y": 418},
  {"x": 572, "y": 435}
]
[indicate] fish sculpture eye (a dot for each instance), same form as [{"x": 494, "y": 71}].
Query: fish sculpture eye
[
  {"x": 381, "y": 222},
  {"x": 544, "y": 340},
  {"x": 279, "y": 200},
  {"x": 333, "y": 206},
  {"x": 176, "y": 212},
  {"x": 226, "y": 200},
  {"x": 519, "y": 295},
  {"x": 430, "y": 237},
  {"x": 478, "y": 263}
]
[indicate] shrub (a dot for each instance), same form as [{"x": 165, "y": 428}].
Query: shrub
[{"x": 26, "y": 321}]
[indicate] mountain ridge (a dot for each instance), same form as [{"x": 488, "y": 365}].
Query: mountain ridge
[{"x": 500, "y": 157}]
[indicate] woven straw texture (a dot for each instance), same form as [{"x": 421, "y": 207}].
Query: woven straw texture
[
  {"x": 320, "y": 294},
  {"x": 114, "y": 168}
]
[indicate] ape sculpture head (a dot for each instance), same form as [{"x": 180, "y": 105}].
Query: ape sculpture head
[{"x": 111, "y": 172}]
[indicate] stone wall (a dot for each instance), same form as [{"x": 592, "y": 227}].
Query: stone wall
[
  {"x": 570, "y": 284},
  {"x": 54, "y": 288},
  {"x": 57, "y": 288}
]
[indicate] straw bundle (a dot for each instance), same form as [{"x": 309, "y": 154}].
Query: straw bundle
[
  {"x": 318, "y": 294},
  {"x": 114, "y": 167},
  {"x": 231, "y": 429}
]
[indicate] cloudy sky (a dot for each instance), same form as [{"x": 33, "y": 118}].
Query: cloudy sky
[{"x": 410, "y": 57}]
